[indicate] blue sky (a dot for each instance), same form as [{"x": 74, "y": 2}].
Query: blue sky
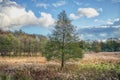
[{"x": 95, "y": 19}]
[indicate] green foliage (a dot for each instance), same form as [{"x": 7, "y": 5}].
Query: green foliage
[
  {"x": 110, "y": 45},
  {"x": 63, "y": 42},
  {"x": 20, "y": 43},
  {"x": 7, "y": 43},
  {"x": 72, "y": 50},
  {"x": 96, "y": 46}
]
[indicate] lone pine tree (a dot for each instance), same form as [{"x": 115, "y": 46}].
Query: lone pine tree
[{"x": 63, "y": 42}]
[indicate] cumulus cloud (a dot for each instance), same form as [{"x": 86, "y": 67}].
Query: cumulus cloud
[
  {"x": 109, "y": 22},
  {"x": 112, "y": 21},
  {"x": 85, "y": 12},
  {"x": 59, "y": 3},
  {"x": 13, "y": 16},
  {"x": 42, "y": 5},
  {"x": 46, "y": 19},
  {"x": 88, "y": 12},
  {"x": 73, "y": 16},
  {"x": 101, "y": 32}
]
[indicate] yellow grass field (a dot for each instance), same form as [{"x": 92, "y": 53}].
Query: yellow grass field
[
  {"x": 106, "y": 57},
  {"x": 93, "y": 66}
]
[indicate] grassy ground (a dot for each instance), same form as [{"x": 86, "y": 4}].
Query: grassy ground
[{"x": 94, "y": 66}]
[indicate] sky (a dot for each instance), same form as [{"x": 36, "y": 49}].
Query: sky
[{"x": 94, "y": 19}]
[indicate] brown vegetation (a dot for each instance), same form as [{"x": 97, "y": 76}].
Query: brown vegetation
[
  {"x": 94, "y": 66},
  {"x": 108, "y": 57}
]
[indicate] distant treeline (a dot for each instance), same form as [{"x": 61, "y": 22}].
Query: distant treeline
[
  {"x": 19, "y": 43},
  {"x": 110, "y": 45}
]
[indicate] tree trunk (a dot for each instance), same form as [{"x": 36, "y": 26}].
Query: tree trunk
[
  {"x": 62, "y": 62},
  {"x": 62, "y": 57}
]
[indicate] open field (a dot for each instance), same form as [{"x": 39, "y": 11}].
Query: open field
[
  {"x": 105, "y": 57},
  {"x": 94, "y": 66},
  {"x": 110, "y": 57}
]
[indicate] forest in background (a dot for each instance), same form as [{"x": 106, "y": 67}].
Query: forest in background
[{"x": 19, "y": 43}]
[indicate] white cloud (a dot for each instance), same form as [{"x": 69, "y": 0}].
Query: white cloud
[
  {"x": 103, "y": 26},
  {"x": 46, "y": 19},
  {"x": 73, "y": 16},
  {"x": 116, "y": 19},
  {"x": 111, "y": 21},
  {"x": 42, "y": 5},
  {"x": 88, "y": 12},
  {"x": 102, "y": 31},
  {"x": 59, "y": 3},
  {"x": 13, "y": 16},
  {"x": 85, "y": 12},
  {"x": 118, "y": 26},
  {"x": 108, "y": 22}
]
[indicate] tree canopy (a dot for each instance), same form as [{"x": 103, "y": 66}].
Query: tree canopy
[{"x": 63, "y": 41}]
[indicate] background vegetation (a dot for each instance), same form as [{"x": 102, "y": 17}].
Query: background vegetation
[
  {"x": 62, "y": 46},
  {"x": 102, "y": 66},
  {"x": 19, "y": 43}
]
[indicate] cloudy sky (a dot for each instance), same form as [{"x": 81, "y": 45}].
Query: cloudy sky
[{"x": 95, "y": 19}]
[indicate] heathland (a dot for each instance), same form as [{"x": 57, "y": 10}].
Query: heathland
[{"x": 94, "y": 66}]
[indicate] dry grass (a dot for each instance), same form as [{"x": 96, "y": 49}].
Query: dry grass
[
  {"x": 108, "y": 57},
  {"x": 22, "y": 60},
  {"x": 101, "y": 57},
  {"x": 40, "y": 62},
  {"x": 94, "y": 66}
]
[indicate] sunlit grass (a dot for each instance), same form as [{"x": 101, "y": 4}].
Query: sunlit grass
[{"x": 37, "y": 68}]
